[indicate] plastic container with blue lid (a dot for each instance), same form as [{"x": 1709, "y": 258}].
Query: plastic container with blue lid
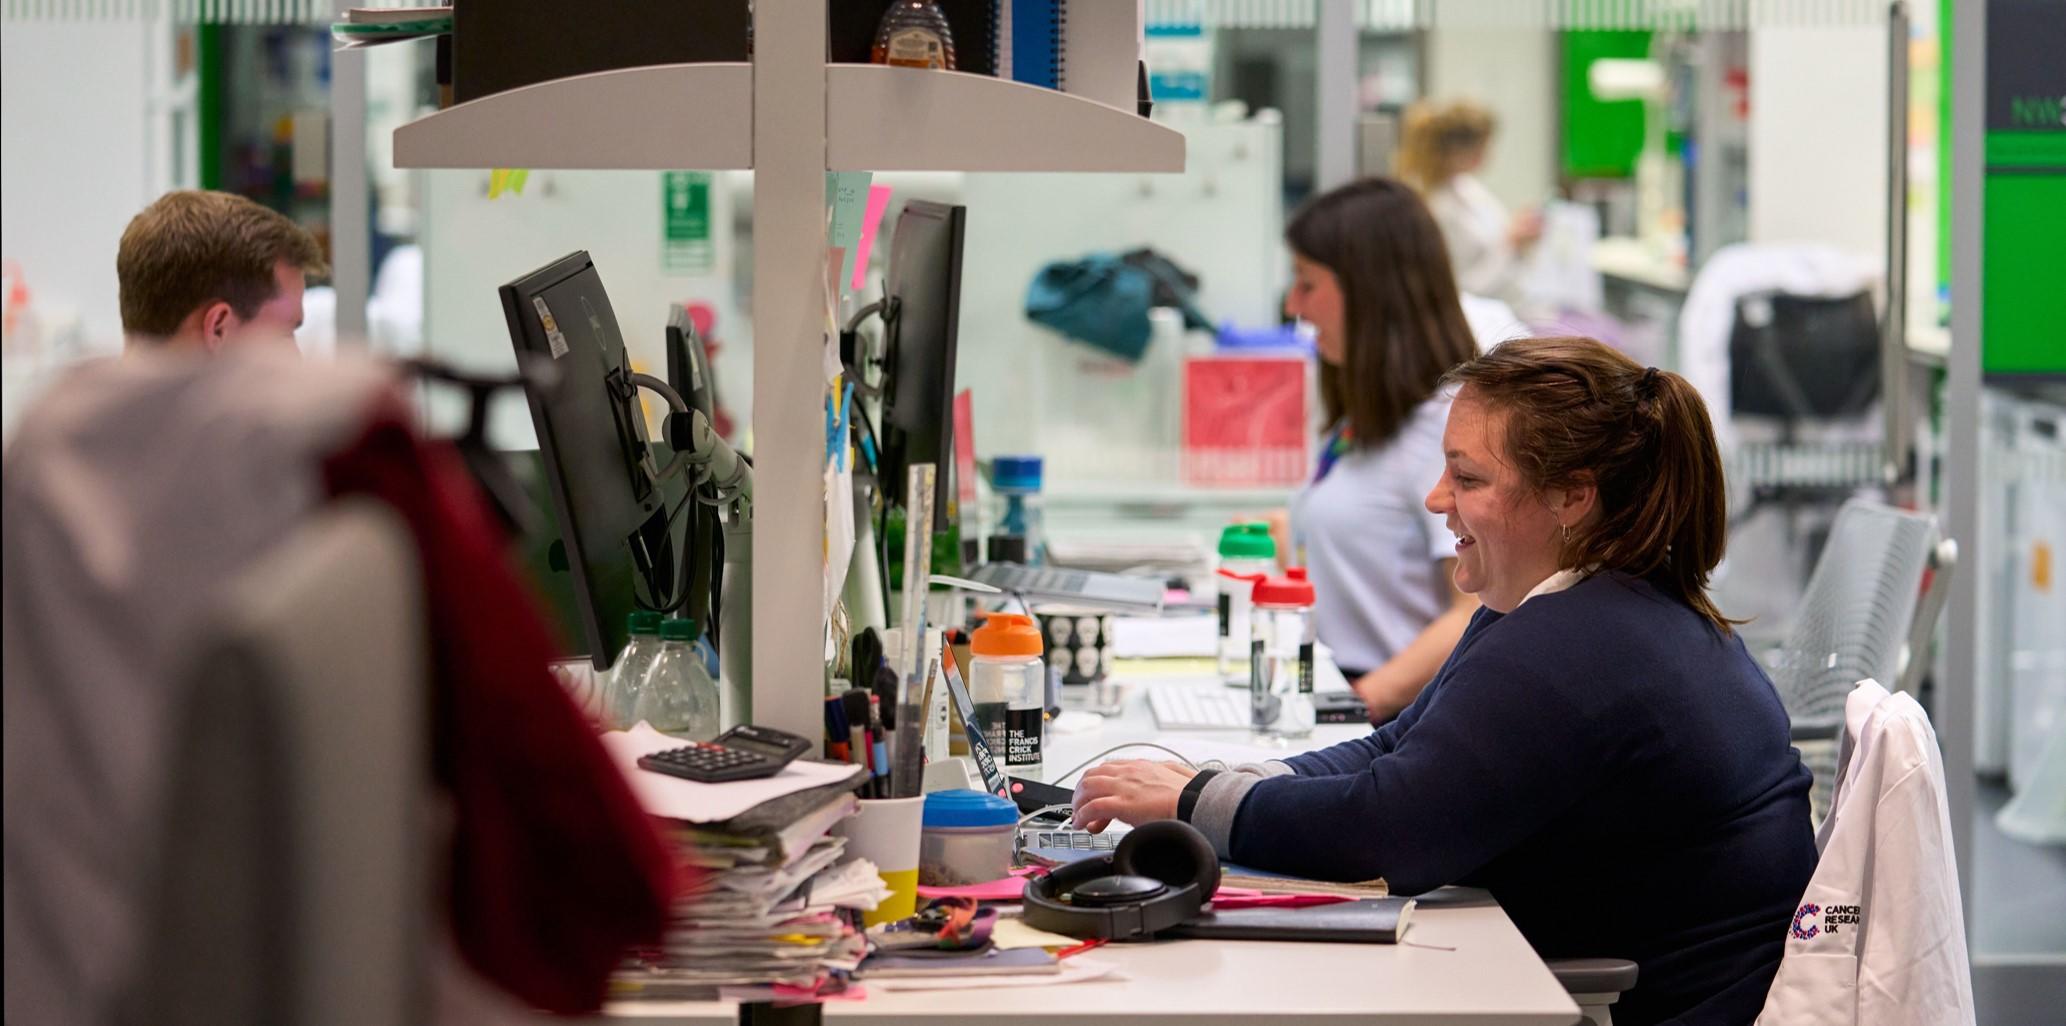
[{"x": 966, "y": 838}]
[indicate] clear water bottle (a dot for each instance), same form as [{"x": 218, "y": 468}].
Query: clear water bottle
[
  {"x": 678, "y": 697},
  {"x": 1280, "y": 667},
  {"x": 1247, "y": 554},
  {"x": 1017, "y": 479},
  {"x": 1008, "y": 683},
  {"x": 625, "y": 678}
]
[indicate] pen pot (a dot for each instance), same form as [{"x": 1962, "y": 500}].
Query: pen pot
[{"x": 885, "y": 832}]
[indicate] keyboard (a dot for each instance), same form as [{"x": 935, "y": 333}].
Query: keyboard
[
  {"x": 1072, "y": 586},
  {"x": 1181, "y": 708}
]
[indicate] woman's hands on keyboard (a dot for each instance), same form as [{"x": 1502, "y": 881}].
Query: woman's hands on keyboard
[{"x": 1133, "y": 790}]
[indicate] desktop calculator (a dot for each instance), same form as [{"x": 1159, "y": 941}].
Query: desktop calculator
[{"x": 744, "y": 752}]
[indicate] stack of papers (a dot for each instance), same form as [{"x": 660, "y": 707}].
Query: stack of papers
[{"x": 774, "y": 897}]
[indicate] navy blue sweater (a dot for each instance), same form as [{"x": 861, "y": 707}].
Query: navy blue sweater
[{"x": 1612, "y": 768}]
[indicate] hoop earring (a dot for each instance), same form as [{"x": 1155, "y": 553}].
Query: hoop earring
[{"x": 1567, "y": 533}]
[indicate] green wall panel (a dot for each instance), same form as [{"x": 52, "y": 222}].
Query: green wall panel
[{"x": 1600, "y": 139}]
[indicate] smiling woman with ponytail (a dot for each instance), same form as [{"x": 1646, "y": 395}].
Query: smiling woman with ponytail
[{"x": 1599, "y": 741}]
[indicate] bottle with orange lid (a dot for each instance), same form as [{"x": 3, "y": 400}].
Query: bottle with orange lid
[
  {"x": 1007, "y": 680},
  {"x": 1280, "y": 664}
]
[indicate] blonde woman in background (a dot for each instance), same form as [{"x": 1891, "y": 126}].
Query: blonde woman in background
[{"x": 1442, "y": 149}]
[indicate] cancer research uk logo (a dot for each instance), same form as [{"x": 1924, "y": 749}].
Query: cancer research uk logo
[
  {"x": 1811, "y": 920},
  {"x": 1804, "y": 921}
]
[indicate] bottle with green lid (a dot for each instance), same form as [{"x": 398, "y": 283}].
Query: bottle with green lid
[
  {"x": 678, "y": 697},
  {"x": 622, "y": 683},
  {"x": 1247, "y": 552}
]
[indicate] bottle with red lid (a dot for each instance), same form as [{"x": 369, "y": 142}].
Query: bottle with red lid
[{"x": 1280, "y": 663}]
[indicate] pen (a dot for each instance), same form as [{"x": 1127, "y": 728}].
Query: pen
[{"x": 855, "y": 706}]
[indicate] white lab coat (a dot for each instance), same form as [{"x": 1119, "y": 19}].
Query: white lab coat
[
  {"x": 1474, "y": 226},
  {"x": 1878, "y": 938}
]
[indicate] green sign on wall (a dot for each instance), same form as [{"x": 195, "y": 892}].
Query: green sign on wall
[
  {"x": 685, "y": 246},
  {"x": 2023, "y": 320}
]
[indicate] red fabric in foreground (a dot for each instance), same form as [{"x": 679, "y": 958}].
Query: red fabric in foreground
[{"x": 555, "y": 871}]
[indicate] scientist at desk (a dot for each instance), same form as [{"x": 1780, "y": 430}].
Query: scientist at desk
[
  {"x": 1600, "y": 751},
  {"x": 1370, "y": 275}
]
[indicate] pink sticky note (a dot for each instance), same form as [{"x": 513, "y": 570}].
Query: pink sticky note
[{"x": 878, "y": 201}]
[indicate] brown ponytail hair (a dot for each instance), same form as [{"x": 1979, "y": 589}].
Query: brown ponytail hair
[{"x": 1578, "y": 411}]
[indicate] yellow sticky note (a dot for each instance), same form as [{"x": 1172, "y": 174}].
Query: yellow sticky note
[
  {"x": 502, "y": 179},
  {"x": 2041, "y": 566},
  {"x": 1011, "y": 933}
]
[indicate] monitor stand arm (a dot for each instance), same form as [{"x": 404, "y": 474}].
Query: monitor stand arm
[{"x": 724, "y": 480}]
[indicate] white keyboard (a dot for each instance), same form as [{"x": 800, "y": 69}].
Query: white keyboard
[{"x": 1179, "y": 708}]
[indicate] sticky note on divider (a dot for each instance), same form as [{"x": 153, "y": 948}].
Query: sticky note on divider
[
  {"x": 878, "y": 201},
  {"x": 846, "y": 194}
]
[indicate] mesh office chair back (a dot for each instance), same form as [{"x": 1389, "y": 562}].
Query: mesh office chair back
[
  {"x": 1851, "y": 624},
  {"x": 1803, "y": 357}
]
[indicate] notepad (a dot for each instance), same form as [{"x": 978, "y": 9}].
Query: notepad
[
  {"x": 1371, "y": 921},
  {"x": 989, "y": 962}
]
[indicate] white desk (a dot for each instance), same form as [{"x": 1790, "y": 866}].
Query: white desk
[
  {"x": 1492, "y": 978},
  {"x": 1633, "y": 261}
]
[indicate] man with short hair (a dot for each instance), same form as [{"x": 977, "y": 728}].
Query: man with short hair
[{"x": 205, "y": 269}]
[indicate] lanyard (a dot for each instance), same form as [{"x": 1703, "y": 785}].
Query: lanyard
[{"x": 1338, "y": 444}]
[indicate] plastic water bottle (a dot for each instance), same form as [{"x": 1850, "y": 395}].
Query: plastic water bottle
[
  {"x": 1247, "y": 554},
  {"x": 627, "y": 675},
  {"x": 1280, "y": 682},
  {"x": 1017, "y": 479},
  {"x": 1008, "y": 683},
  {"x": 678, "y": 697}
]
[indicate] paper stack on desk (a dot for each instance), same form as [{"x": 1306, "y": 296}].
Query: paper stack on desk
[{"x": 766, "y": 905}]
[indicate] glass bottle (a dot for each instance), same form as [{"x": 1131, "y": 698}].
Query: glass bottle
[{"x": 914, "y": 34}]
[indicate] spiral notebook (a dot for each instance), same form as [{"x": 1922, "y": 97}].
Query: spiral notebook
[{"x": 1030, "y": 32}]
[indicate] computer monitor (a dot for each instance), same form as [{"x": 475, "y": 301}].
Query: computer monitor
[
  {"x": 918, "y": 365},
  {"x": 688, "y": 372},
  {"x": 611, "y": 517},
  {"x": 688, "y": 366}
]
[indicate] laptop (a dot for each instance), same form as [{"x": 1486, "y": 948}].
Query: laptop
[{"x": 1075, "y": 587}]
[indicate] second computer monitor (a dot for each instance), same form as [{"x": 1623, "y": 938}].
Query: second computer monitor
[{"x": 918, "y": 401}]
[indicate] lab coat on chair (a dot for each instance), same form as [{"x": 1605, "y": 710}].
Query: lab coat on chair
[{"x": 1878, "y": 939}]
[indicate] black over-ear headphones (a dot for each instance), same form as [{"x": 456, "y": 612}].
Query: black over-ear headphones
[{"x": 1161, "y": 876}]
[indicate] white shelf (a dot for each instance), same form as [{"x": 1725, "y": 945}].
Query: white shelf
[
  {"x": 880, "y": 118},
  {"x": 661, "y": 117}
]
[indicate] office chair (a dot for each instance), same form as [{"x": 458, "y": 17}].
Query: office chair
[
  {"x": 1799, "y": 361},
  {"x": 1854, "y": 620},
  {"x": 294, "y": 885},
  {"x": 1801, "y": 358}
]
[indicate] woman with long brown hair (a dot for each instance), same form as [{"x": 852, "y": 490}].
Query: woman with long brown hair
[
  {"x": 1371, "y": 277},
  {"x": 1601, "y": 751}
]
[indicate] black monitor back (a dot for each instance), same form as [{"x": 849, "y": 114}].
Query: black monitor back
[
  {"x": 918, "y": 402},
  {"x": 588, "y": 446}
]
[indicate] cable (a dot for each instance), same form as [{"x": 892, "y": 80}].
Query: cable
[
  {"x": 1180, "y": 757},
  {"x": 1042, "y": 811},
  {"x": 1068, "y": 821}
]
